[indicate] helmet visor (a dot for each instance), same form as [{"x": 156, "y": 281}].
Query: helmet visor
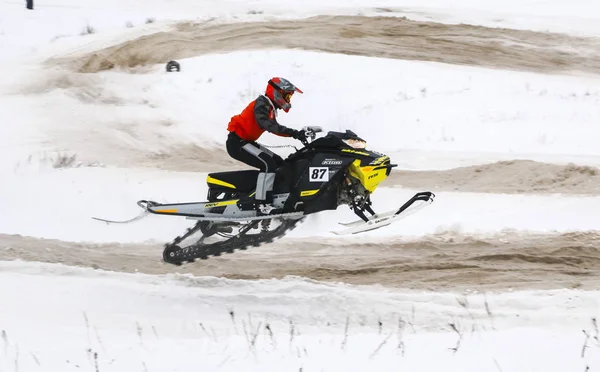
[{"x": 287, "y": 96}]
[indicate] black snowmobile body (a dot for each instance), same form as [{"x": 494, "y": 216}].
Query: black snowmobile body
[
  {"x": 321, "y": 176},
  {"x": 327, "y": 172}
]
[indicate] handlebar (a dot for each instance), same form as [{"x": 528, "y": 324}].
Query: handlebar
[{"x": 311, "y": 132}]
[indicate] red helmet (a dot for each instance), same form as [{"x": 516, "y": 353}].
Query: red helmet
[{"x": 280, "y": 91}]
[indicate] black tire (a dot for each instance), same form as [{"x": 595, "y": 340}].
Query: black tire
[{"x": 173, "y": 65}]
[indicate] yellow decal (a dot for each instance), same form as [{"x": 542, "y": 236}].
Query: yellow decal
[
  {"x": 219, "y": 204},
  {"x": 367, "y": 176},
  {"x": 166, "y": 211},
  {"x": 380, "y": 160},
  {"x": 308, "y": 192},
  {"x": 356, "y": 152},
  {"x": 215, "y": 181}
]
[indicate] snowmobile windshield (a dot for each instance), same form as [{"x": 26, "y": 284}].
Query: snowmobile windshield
[{"x": 355, "y": 143}]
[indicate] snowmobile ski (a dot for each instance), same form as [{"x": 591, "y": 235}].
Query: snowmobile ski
[{"x": 384, "y": 219}]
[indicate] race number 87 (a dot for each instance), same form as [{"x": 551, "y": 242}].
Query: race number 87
[{"x": 318, "y": 174}]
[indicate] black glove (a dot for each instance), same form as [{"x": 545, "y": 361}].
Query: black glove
[{"x": 300, "y": 136}]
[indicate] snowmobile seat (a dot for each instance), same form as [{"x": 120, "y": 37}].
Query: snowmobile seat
[{"x": 239, "y": 181}]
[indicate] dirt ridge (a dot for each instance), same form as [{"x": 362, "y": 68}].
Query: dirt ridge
[
  {"x": 437, "y": 262},
  {"x": 389, "y": 37}
]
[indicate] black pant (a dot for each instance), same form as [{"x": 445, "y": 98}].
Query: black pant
[{"x": 257, "y": 156}]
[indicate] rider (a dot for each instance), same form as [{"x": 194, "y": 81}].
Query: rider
[{"x": 260, "y": 116}]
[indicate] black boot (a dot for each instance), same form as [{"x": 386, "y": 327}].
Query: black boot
[
  {"x": 263, "y": 207},
  {"x": 246, "y": 203},
  {"x": 266, "y": 207}
]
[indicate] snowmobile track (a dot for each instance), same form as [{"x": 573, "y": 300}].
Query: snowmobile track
[{"x": 175, "y": 255}]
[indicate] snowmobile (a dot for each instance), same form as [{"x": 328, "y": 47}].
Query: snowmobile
[{"x": 329, "y": 171}]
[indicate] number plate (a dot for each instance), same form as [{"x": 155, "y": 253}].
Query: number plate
[{"x": 318, "y": 174}]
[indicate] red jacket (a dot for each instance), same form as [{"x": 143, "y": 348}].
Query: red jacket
[{"x": 259, "y": 116}]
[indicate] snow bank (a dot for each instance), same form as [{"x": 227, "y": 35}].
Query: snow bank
[{"x": 395, "y": 105}]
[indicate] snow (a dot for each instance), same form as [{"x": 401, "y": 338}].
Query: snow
[
  {"x": 182, "y": 323},
  {"x": 108, "y": 118},
  {"x": 426, "y": 107},
  {"x": 60, "y": 21},
  {"x": 432, "y": 116},
  {"x": 70, "y": 197}
]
